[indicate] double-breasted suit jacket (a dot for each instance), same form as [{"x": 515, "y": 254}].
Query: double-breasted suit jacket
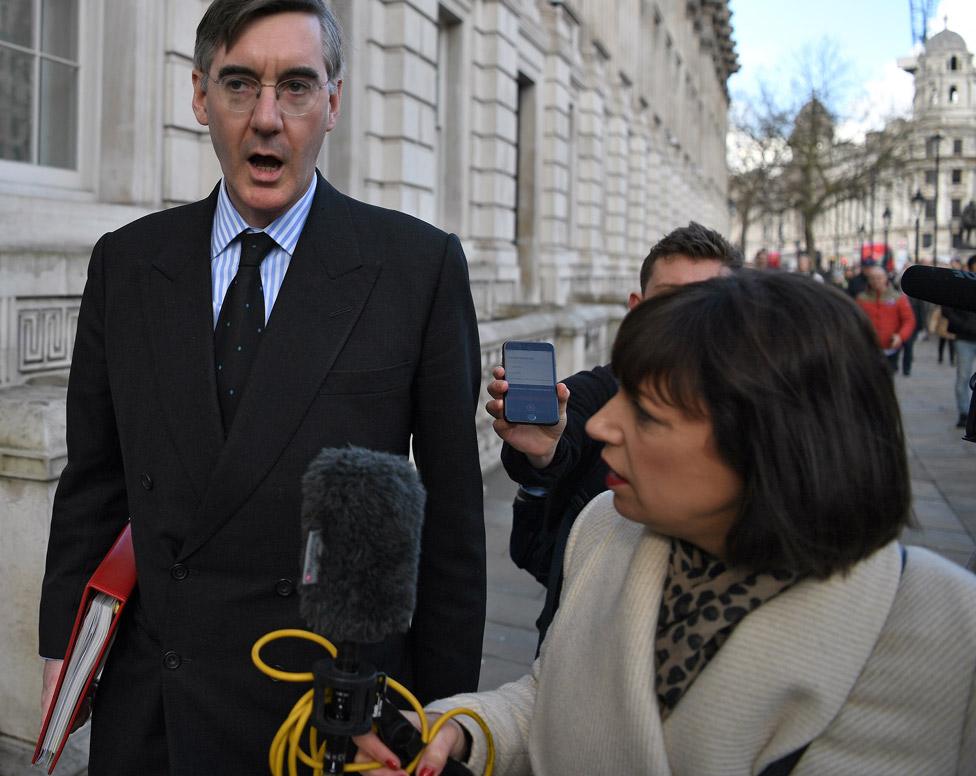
[{"x": 372, "y": 341}]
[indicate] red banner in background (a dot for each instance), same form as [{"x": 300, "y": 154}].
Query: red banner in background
[{"x": 874, "y": 251}]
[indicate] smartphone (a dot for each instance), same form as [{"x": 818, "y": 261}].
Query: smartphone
[{"x": 530, "y": 369}]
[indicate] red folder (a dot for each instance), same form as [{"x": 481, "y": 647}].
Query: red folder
[{"x": 115, "y": 577}]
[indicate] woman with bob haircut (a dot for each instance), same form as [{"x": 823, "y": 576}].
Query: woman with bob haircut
[{"x": 738, "y": 603}]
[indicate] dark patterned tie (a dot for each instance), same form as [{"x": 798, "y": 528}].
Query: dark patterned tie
[{"x": 239, "y": 327}]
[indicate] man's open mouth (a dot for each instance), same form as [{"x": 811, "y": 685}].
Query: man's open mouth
[{"x": 265, "y": 163}]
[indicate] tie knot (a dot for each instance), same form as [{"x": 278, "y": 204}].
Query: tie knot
[{"x": 254, "y": 247}]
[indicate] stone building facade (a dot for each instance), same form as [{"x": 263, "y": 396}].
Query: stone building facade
[
  {"x": 558, "y": 138},
  {"x": 944, "y": 106}
]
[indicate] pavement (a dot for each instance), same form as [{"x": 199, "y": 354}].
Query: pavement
[{"x": 944, "y": 507}]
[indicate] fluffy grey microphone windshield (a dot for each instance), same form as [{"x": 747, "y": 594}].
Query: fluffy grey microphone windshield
[{"x": 369, "y": 510}]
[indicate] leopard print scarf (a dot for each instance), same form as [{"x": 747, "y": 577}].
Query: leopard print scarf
[{"x": 703, "y": 601}]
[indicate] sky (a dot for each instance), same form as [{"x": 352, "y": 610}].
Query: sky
[{"x": 869, "y": 37}]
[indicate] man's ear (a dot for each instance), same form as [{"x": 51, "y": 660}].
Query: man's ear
[
  {"x": 633, "y": 300},
  {"x": 199, "y": 99},
  {"x": 335, "y": 98}
]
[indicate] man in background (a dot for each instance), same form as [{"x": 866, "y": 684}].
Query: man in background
[
  {"x": 889, "y": 311},
  {"x": 559, "y": 468}
]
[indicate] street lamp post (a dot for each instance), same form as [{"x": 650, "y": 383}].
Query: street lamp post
[
  {"x": 886, "y": 220},
  {"x": 936, "y": 139},
  {"x": 871, "y": 214},
  {"x": 860, "y": 253},
  {"x": 918, "y": 202}
]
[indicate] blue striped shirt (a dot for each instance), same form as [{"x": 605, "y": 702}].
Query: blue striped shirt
[{"x": 225, "y": 248}]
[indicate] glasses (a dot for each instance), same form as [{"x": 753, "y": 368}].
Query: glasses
[{"x": 296, "y": 96}]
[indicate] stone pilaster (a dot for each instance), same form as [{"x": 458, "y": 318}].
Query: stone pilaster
[
  {"x": 494, "y": 125},
  {"x": 32, "y": 454}
]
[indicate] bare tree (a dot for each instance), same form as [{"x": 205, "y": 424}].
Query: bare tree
[
  {"x": 799, "y": 160},
  {"x": 757, "y": 148}
]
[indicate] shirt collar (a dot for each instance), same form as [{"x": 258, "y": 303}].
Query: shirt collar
[{"x": 284, "y": 230}]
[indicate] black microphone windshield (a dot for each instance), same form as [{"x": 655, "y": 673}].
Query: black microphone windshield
[
  {"x": 362, "y": 515},
  {"x": 949, "y": 287}
]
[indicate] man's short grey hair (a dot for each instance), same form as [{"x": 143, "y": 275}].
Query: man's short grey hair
[{"x": 225, "y": 20}]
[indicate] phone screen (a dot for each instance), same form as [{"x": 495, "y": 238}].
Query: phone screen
[{"x": 530, "y": 369}]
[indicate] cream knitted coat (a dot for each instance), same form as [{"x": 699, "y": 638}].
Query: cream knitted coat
[{"x": 875, "y": 670}]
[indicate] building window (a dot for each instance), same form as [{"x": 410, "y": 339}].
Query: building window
[
  {"x": 957, "y": 176},
  {"x": 953, "y": 95},
  {"x": 953, "y": 63},
  {"x": 956, "y": 207},
  {"x": 926, "y": 240},
  {"x": 39, "y": 82},
  {"x": 930, "y": 177},
  {"x": 930, "y": 208},
  {"x": 957, "y": 147}
]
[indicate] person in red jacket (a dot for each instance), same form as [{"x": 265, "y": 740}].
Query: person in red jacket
[{"x": 889, "y": 311}]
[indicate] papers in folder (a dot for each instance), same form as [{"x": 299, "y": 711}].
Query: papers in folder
[
  {"x": 92, "y": 638},
  {"x": 98, "y": 617}
]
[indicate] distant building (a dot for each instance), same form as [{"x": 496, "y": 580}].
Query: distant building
[{"x": 944, "y": 106}]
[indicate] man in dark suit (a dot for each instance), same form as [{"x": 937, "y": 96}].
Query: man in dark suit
[{"x": 367, "y": 337}]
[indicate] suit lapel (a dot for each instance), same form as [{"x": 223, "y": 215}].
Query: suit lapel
[
  {"x": 324, "y": 291},
  {"x": 181, "y": 321}
]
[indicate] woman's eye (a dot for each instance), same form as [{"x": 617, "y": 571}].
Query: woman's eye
[{"x": 643, "y": 416}]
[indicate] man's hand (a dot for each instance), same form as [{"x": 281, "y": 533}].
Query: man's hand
[
  {"x": 52, "y": 670},
  {"x": 895, "y": 341},
  {"x": 538, "y": 443}
]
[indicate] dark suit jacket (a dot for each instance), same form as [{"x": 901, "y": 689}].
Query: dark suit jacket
[{"x": 372, "y": 340}]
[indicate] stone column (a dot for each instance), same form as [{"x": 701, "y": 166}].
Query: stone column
[
  {"x": 555, "y": 206},
  {"x": 637, "y": 205},
  {"x": 32, "y": 455},
  {"x": 491, "y": 247},
  {"x": 401, "y": 95},
  {"x": 617, "y": 172}
]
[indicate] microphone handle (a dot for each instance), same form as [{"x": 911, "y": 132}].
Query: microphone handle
[
  {"x": 404, "y": 740},
  {"x": 345, "y": 694}
]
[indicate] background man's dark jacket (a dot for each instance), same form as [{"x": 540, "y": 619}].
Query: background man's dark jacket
[{"x": 574, "y": 476}]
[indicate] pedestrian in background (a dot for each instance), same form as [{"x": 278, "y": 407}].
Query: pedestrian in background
[
  {"x": 805, "y": 267},
  {"x": 889, "y": 312},
  {"x": 859, "y": 282},
  {"x": 921, "y": 310},
  {"x": 939, "y": 326}
]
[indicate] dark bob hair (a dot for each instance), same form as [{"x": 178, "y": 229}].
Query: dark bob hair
[{"x": 802, "y": 406}]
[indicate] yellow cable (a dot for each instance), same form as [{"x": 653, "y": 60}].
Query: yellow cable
[{"x": 286, "y": 740}]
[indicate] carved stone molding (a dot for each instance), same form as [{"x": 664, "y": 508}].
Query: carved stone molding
[{"x": 45, "y": 333}]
